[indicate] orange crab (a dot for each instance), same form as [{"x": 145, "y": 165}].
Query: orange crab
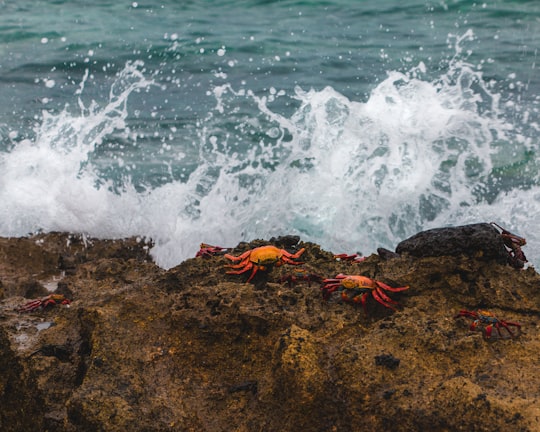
[
  {"x": 262, "y": 258},
  {"x": 355, "y": 289}
]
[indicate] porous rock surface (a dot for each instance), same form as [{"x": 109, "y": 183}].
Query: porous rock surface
[
  {"x": 480, "y": 241},
  {"x": 194, "y": 349}
]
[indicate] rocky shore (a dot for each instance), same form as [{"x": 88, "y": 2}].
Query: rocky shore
[{"x": 192, "y": 348}]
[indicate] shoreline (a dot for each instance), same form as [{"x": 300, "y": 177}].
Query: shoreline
[{"x": 193, "y": 348}]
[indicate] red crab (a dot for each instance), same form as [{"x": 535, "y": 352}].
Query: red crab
[
  {"x": 513, "y": 243},
  {"x": 262, "y": 258},
  {"x": 489, "y": 320},
  {"x": 45, "y": 302},
  {"x": 207, "y": 251},
  {"x": 355, "y": 289},
  {"x": 351, "y": 258},
  {"x": 299, "y": 275}
]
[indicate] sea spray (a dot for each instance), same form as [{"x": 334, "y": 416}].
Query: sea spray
[
  {"x": 349, "y": 175},
  {"x": 48, "y": 183}
]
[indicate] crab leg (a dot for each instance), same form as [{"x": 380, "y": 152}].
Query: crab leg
[
  {"x": 245, "y": 269},
  {"x": 498, "y": 327},
  {"x": 389, "y": 288},
  {"x": 295, "y": 255},
  {"x": 332, "y": 281},
  {"x": 331, "y": 285},
  {"x": 329, "y": 289},
  {"x": 474, "y": 324},
  {"x": 290, "y": 261},
  {"x": 240, "y": 265},
  {"x": 507, "y": 324},
  {"x": 489, "y": 331},
  {"x": 238, "y": 258},
  {"x": 360, "y": 298},
  {"x": 30, "y": 306},
  {"x": 242, "y": 269},
  {"x": 381, "y": 301},
  {"x": 255, "y": 269},
  {"x": 381, "y": 293},
  {"x": 363, "y": 300}
]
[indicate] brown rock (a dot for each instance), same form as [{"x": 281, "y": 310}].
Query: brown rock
[
  {"x": 297, "y": 372},
  {"x": 194, "y": 349}
]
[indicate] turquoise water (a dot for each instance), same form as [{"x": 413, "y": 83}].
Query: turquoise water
[{"x": 353, "y": 124}]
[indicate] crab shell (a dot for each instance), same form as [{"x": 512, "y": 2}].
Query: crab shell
[{"x": 261, "y": 258}]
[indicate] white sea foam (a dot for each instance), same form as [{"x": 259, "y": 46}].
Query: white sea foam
[{"x": 349, "y": 175}]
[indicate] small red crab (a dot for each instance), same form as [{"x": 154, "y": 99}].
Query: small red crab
[
  {"x": 489, "y": 320},
  {"x": 262, "y": 258},
  {"x": 351, "y": 258},
  {"x": 45, "y": 302},
  {"x": 299, "y": 275},
  {"x": 355, "y": 289},
  {"x": 207, "y": 251},
  {"x": 513, "y": 243}
]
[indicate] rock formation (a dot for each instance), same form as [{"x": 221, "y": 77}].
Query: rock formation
[{"x": 141, "y": 348}]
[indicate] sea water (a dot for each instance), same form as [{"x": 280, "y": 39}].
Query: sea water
[{"x": 353, "y": 124}]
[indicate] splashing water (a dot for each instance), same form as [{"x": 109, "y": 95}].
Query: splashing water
[
  {"x": 48, "y": 184},
  {"x": 351, "y": 176}
]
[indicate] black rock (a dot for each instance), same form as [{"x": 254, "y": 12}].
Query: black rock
[
  {"x": 386, "y": 254},
  {"x": 387, "y": 360},
  {"x": 287, "y": 241},
  {"x": 480, "y": 241}
]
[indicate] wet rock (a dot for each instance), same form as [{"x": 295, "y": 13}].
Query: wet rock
[
  {"x": 480, "y": 241},
  {"x": 193, "y": 349},
  {"x": 285, "y": 242},
  {"x": 63, "y": 288},
  {"x": 32, "y": 289},
  {"x": 387, "y": 254},
  {"x": 22, "y": 407}
]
